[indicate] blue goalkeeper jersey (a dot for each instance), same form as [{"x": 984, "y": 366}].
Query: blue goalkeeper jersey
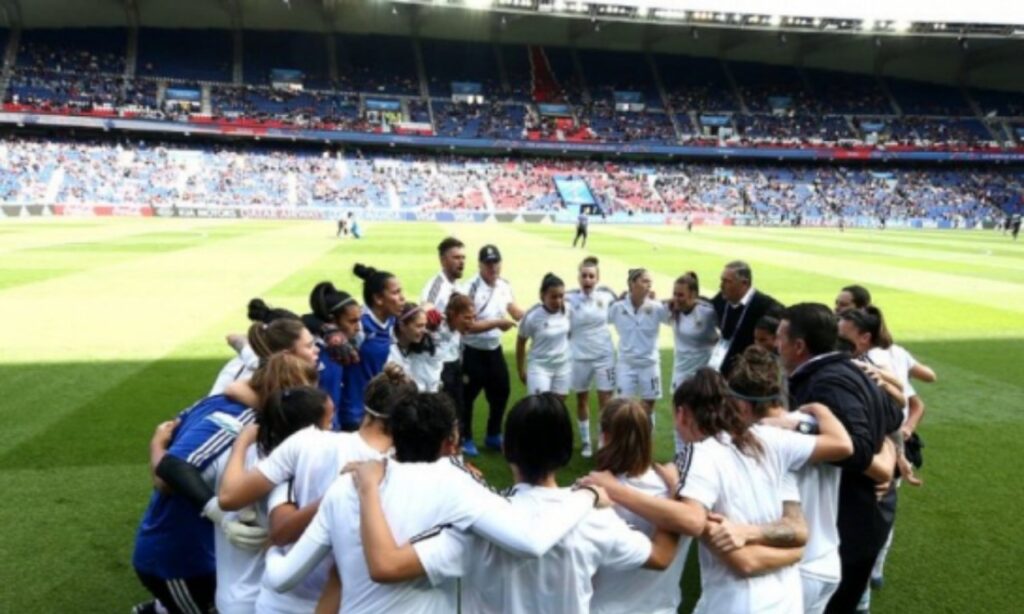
[
  {"x": 174, "y": 540},
  {"x": 373, "y": 354}
]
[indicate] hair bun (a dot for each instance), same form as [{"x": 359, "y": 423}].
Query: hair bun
[
  {"x": 362, "y": 271},
  {"x": 257, "y": 310}
]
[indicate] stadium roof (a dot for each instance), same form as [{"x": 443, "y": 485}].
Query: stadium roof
[{"x": 985, "y": 57}]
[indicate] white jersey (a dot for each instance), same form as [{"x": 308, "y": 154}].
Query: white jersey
[
  {"x": 448, "y": 343},
  {"x": 241, "y": 366},
  {"x": 548, "y": 334},
  {"x": 819, "y": 498},
  {"x": 438, "y": 290},
  {"x": 238, "y": 570},
  {"x": 491, "y": 304},
  {"x": 422, "y": 368},
  {"x": 590, "y": 339},
  {"x": 695, "y": 335},
  {"x": 747, "y": 490},
  {"x": 304, "y": 466},
  {"x": 899, "y": 362},
  {"x": 638, "y": 331},
  {"x": 560, "y": 582},
  {"x": 443, "y": 493},
  {"x": 641, "y": 590}
]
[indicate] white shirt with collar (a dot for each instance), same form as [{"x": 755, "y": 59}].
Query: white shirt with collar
[
  {"x": 491, "y": 304},
  {"x": 439, "y": 290}
]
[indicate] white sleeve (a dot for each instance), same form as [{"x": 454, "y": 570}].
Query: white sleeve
[
  {"x": 624, "y": 548},
  {"x": 495, "y": 519},
  {"x": 790, "y": 489},
  {"x": 702, "y": 483},
  {"x": 794, "y": 448},
  {"x": 280, "y": 495},
  {"x": 280, "y": 465},
  {"x": 284, "y": 573},
  {"x": 526, "y": 326},
  {"x": 443, "y": 555},
  {"x": 511, "y": 298}
]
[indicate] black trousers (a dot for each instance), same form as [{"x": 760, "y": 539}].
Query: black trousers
[
  {"x": 857, "y": 555},
  {"x": 182, "y": 595},
  {"x": 485, "y": 370},
  {"x": 451, "y": 384},
  {"x": 580, "y": 232}
]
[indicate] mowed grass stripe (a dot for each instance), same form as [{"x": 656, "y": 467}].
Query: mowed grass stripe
[
  {"x": 909, "y": 313},
  {"x": 988, "y": 293},
  {"x": 965, "y": 241},
  {"x": 132, "y": 299}
]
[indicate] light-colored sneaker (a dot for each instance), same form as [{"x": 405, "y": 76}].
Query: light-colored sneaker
[{"x": 585, "y": 451}]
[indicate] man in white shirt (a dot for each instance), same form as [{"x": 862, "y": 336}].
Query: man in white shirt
[
  {"x": 483, "y": 357},
  {"x": 452, "y": 254}
]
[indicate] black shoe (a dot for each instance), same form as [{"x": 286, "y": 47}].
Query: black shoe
[{"x": 148, "y": 607}]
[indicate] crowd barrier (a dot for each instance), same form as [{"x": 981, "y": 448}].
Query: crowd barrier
[{"x": 186, "y": 210}]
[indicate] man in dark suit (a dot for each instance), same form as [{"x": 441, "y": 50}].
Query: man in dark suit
[
  {"x": 806, "y": 341},
  {"x": 738, "y": 307}
]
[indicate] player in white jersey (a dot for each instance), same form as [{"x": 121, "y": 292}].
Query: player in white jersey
[
  {"x": 239, "y": 570},
  {"x": 452, "y": 254},
  {"x": 546, "y": 328},
  {"x": 736, "y": 474},
  {"x": 443, "y": 492},
  {"x": 297, "y": 474},
  {"x": 538, "y": 442},
  {"x": 626, "y": 452},
  {"x": 413, "y": 349},
  {"x": 637, "y": 319},
  {"x": 246, "y": 360},
  {"x": 593, "y": 354}
]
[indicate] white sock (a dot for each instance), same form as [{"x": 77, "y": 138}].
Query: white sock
[{"x": 584, "y": 430}]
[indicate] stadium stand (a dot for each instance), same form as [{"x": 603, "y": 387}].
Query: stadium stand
[{"x": 185, "y": 55}]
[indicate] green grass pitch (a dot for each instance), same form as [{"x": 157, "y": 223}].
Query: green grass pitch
[{"x": 110, "y": 326}]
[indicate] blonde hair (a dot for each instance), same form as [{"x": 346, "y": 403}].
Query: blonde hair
[{"x": 280, "y": 371}]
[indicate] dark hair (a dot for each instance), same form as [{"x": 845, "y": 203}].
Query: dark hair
[
  {"x": 420, "y": 424},
  {"x": 538, "y": 436},
  {"x": 287, "y": 411},
  {"x": 756, "y": 374},
  {"x": 447, "y": 244},
  {"x": 282, "y": 370},
  {"x": 457, "y": 305},
  {"x": 550, "y": 281},
  {"x": 426, "y": 344},
  {"x": 860, "y": 295},
  {"x": 689, "y": 279},
  {"x": 742, "y": 270},
  {"x": 258, "y": 311},
  {"x": 706, "y": 396},
  {"x": 768, "y": 323},
  {"x": 815, "y": 324},
  {"x": 869, "y": 320},
  {"x": 589, "y": 261},
  {"x": 635, "y": 274},
  {"x": 382, "y": 391},
  {"x": 279, "y": 335},
  {"x": 374, "y": 281},
  {"x": 628, "y": 445},
  {"x": 327, "y": 302}
]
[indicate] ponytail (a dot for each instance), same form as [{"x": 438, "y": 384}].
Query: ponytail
[
  {"x": 280, "y": 371},
  {"x": 279, "y": 335},
  {"x": 287, "y": 411},
  {"x": 326, "y": 301},
  {"x": 706, "y": 397},
  {"x": 628, "y": 447},
  {"x": 374, "y": 281}
]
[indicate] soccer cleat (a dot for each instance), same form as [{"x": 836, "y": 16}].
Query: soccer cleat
[
  {"x": 585, "y": 450},
  {"x": 469, "y": 449},
  {"x": 493, "y": 442},
  {"x": 149, "y": 607}
]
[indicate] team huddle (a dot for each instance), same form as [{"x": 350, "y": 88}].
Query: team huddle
[{"x": 325, "y": 471}]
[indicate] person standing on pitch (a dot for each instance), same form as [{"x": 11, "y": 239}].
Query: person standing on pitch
[
  {"x": 452, "y": 254},
  {"x": 581, "y": 228},
  {"x": 483, "y": 358},
  {"x": 738, "y": 307},
  {"x": 818, "y": 374}
]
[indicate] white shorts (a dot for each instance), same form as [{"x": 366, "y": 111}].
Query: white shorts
[
  {"x": 638, "y": 382},
  {"x": 817, "y": 593},
  {"x": 600, "y": 372},
  {"x": 546, "y": 379}
]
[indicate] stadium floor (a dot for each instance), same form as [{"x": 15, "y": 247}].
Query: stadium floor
[{"x": 113, "y": 325}]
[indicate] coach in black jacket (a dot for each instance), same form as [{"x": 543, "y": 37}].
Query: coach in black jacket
[
  {"x": 817, "y": 374},
  {"x": 738, "y": 307}
]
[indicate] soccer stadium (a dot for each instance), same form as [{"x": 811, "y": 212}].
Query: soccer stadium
[{"x": 539, "y": 306}]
